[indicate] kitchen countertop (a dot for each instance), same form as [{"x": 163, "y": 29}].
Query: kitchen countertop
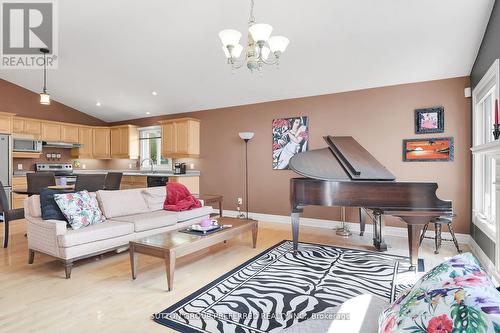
[
  {"x": 189, "y": 173},
  {"x": 161, "y": 173}
]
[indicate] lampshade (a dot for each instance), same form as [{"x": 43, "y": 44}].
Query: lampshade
[
  {"x": 278, "y": 43},
  {"x": 260, "y": 31},
  {"x": 265, "y": 52},
  {"x": 44, "y": 98},
  {"x": 229, "y": 37},
  {"x": 235, "y": 52},
  {"x": 246, "y": 135}
]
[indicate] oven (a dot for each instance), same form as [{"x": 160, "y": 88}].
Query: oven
[{"x": 62, "y": 171}]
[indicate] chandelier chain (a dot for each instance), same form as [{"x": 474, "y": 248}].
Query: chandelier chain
[{"x": 251, "y": 19}]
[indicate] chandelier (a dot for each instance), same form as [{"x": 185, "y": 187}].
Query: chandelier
[{"x": 261, "y": 48}]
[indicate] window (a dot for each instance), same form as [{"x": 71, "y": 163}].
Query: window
[
  {"x": 485, "y": 153},
  {"x": 150, "y": 148}
]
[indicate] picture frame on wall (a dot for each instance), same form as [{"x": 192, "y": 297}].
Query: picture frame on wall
[
  {"x": 429, "y": 120},
  {"x": 290, "y": 137},
  {"x": 429, "y": 150}
]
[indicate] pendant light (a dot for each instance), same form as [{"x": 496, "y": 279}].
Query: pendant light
[{"x": 44, "y": 97}]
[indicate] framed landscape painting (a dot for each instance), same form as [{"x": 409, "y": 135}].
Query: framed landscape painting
[
  {"x": 430, "y": 120},
  {"x": 290, "y": 137},
  {"x": 428, "y": 150}
]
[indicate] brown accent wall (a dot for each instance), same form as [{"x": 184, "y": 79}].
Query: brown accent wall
[
  {"x": 378, "y": 118},
  {"x": 25, "y": 103}
]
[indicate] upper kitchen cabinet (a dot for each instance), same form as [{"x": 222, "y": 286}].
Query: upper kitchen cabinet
[
  {"x": 180, "y": 137},
  {"x": 125, "y": 142},
  {"x": 101, "y": 143},
  {"x": 85, "y": 138},
  {"x": 27, "y": 127},
  {"x": 51, "y": 131},
  {"x": 6, "y": 123},
  {"x": 70, "y": 133}
]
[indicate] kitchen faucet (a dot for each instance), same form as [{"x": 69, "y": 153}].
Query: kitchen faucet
[{"x": 150, "y": 161}]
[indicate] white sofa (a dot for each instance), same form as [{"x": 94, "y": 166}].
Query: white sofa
[{"x": 130, "y": 214}]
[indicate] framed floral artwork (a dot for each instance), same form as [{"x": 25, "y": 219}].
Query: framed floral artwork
[{"x": 430, "y": 120}]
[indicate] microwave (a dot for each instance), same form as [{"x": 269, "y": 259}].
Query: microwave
[{"x": 27, "y": 145}]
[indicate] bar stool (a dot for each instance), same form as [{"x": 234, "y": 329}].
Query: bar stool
[{"x": 438, "y": 225}]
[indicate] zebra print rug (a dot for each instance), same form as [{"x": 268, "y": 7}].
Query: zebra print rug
[{"x": 278, "y": 288}]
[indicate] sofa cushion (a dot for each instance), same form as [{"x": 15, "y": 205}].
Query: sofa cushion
[
  {"x": 49, "y": 208},
  {"x": 121, "y": 203},
  {"x": 155, "y": 197},
  {"x": 94, "y": 233},
  {"x": 193, "y": 213},
  {"x": 34, "y": 206},
  {"x": 457, "y": 295},
  {"x": 80, "y": 209},
  {"x": 150, "y": 220}
]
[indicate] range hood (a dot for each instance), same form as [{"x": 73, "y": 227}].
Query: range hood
[{"x": 58, "y": 144}]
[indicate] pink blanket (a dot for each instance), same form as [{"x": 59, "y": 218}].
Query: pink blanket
[{"x": 179, "y": 198}]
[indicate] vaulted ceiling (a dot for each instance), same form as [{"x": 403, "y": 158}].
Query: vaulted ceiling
[{"x": 118, "y": 51}]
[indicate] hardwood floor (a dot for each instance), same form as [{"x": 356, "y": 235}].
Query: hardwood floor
[{"x": 102, "y": 297}]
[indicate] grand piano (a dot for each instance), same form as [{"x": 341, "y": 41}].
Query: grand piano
[{"x": 346, "y": 174}]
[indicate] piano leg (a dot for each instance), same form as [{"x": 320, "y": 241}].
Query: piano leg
[
  {"x": 362, "y": 221},
  {"x": 378, "y": 234},
  {"x": 295, "y": 230},
  {"x": 414, "y": 231}
]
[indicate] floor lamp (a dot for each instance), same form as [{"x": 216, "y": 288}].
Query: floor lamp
[{"x": 246, "y": 136}]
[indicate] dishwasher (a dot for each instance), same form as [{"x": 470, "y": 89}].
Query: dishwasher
[{"x": 157, "y": 181}]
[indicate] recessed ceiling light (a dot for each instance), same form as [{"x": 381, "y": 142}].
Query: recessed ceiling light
[
  {"x": 148, "y": 112},
  {"x": 154, "y": 93},
  {"x": 98, "y": 104}
]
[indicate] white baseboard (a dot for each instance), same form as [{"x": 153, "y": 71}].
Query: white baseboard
[{"x": 330, "y": 224}]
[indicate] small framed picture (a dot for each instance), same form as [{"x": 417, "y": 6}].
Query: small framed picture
[
  {"x": 430, "y": 120},
  {"x": 428, "y": 150}
]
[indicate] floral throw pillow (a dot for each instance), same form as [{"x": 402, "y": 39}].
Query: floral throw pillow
[
  {"x": 455, "y": 296},
  {"x": 80, "y": 209}
]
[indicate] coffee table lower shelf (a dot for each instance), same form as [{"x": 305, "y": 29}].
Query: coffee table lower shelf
[{"x": 173, "y": 244}]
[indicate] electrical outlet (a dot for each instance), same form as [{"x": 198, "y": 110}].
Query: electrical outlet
[
  {"x": 84, "y": 166},
  {"x": 19, "y": 166},
  {"x": 130, "y": 165},
  {"x": 240, "y": 201}
]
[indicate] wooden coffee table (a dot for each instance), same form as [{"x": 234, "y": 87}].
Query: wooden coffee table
[{"x": 172, "y": 244}]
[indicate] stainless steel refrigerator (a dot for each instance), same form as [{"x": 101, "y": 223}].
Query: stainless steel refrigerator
[{"x": 6, "y": 164}]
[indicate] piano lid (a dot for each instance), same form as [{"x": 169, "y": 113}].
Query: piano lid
[{"x": 344, "y": 159}]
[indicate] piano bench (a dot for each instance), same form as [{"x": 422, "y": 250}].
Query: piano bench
[{"x": 438, "y": 224}]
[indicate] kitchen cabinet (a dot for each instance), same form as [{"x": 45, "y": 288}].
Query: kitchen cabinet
[
  {"x": 18, "y": 182},
  {"x": 26, "y": 126},
  {"x": 101, "y": 143},
  {"x": 17, "y": 126},
  {"x": 85, "y": 138},
  {"x": 6, "y": 123},
  {"x": 129, "y": 182},
  {"x": 70, "y": 133},
  {"x": 51, "y": 131},
  {"x": 125, "y": 142},
  {"x": 192, "y": 183},
  {"x": 180, "y": 137}
]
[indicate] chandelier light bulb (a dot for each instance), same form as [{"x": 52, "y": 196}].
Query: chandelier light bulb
[
  {"x": 261, "y": 31},
  {"x": 278, "y": 43},
  {"x": 235, "y": 51},
  {"x": 229, "y": 37}
]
